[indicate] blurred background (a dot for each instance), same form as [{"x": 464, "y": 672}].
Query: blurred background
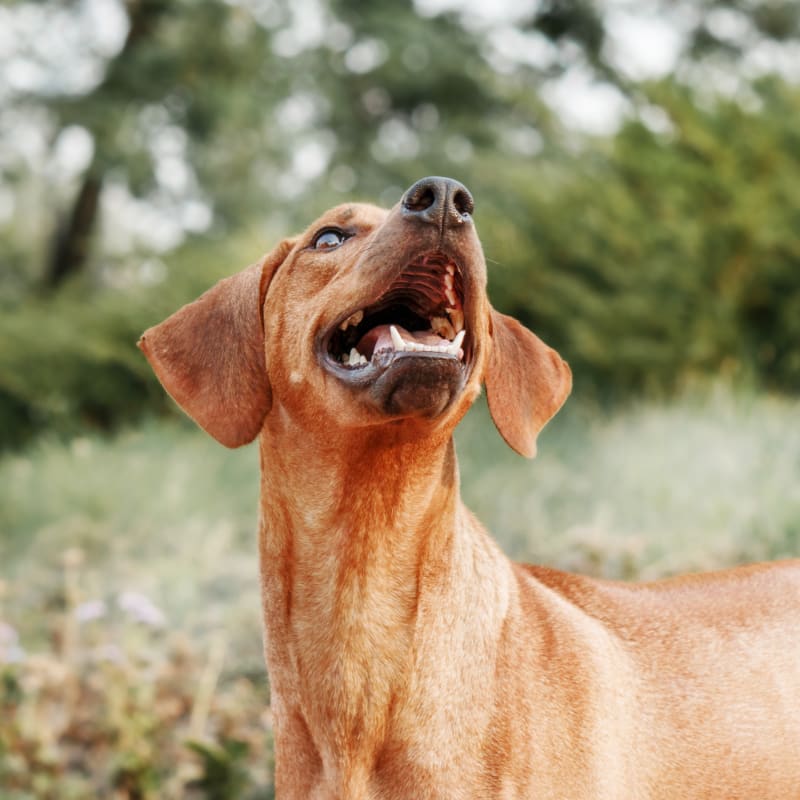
[{"x": 636, "y": 169}]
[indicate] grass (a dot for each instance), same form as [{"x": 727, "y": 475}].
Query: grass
[
  {"x": 130, "y": 644},
  {"x": 703, "y": 483}
]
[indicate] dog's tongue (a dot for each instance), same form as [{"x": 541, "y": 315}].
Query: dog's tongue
[{"x": 380, "y": 338}]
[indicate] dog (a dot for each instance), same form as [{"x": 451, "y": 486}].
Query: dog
[{"x": 409, "y": 659}]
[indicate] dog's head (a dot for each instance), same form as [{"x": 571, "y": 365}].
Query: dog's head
[{"x": 369, "y": 317}]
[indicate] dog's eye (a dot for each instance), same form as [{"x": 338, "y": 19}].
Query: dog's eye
[{"x": 329, "y": 239}]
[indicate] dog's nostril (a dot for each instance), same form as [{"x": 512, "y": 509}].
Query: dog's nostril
[
  {"x": 420, "y": 199},
  {"x": 463, "y": 202}
]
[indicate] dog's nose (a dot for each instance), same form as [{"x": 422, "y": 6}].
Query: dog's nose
[{"x": 440, "y": 201}]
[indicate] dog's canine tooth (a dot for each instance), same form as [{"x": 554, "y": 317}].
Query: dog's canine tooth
[
  {"x": 397, "y": 340},
  {"x": 354, "y": 356},
  {"x": 455, "y": 345}
]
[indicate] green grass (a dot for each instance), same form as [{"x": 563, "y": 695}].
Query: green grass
[
  {"x": 146, "y": 709},
  {"x": 707, "y": 482}
]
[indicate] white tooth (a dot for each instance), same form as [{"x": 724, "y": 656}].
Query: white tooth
[
  {"x": 353, "y": 319},
  {"x": 458, "y": 341},
  {"x": 346, "y": 359},
  {"x": 397, "y": 340},
  {"x": 362, "y": 359},
  {"x": 354, "y": 355},
  {"x": 453, "y": 350},
  {"x": 457, "y": 318}
]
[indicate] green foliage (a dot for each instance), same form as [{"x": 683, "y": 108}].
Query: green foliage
[
  {"x": 225, "y": 774},
  {"x": 69, "y": 361},
  {"x": 659, "y": 488},
  {"x": 663, "y": 254},
  {"x": 649, "y": 258},
  {"x": 112, "y": 705}
]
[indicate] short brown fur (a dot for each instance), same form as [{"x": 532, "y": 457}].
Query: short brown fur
[{"x": 408, "y": 658}]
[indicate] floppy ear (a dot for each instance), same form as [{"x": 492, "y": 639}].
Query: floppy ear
[
  {"x": 526, "y": 383},
  {"x": 209, "y": 355}
]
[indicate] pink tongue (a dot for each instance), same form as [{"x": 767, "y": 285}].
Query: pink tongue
[{"x": 379, "y": 338}]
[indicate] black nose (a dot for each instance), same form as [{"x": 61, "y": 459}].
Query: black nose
[{"x": 440, "y": 201}]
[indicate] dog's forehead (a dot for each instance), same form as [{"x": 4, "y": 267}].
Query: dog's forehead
[{"x": 362, "y": 215}]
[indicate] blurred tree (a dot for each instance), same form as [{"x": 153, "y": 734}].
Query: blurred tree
[
  {"x": 671, "y": 251},
  {"x": 183, "y": 76},
  {"x": 72, "y": 239},
  {"x": 664, "y": 251},
  {"x": 232, "y": 104}
]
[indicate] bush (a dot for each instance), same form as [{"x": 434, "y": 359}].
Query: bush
[
  {"x": 69, "y": 361},
  {"x": 669, "y": 252},
  {"x": 117, "y": 707}
]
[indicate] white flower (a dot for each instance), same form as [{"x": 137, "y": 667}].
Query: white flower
[
  {"x": 90, "y": 611},
  {"x": 11, "y": 651},
  {"x": 141, "y": 609}
]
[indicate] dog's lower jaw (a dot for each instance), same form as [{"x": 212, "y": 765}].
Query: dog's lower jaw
[
  {"x": 334, "y": 595},
  {"x": 419, "y": 385}
]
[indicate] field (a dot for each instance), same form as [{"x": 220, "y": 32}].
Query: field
[{"x": 130, "y": 642}]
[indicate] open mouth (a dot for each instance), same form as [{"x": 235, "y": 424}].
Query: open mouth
[{"x": 421, "y": 313}]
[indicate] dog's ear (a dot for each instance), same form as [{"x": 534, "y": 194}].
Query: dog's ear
[
  {"x": 526, "y": 383},
  {"x": 209, "y": 355}
]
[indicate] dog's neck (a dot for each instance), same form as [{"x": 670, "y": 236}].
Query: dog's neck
[
  {"x": 354, "y": 529},
  {"x": 354, "y": 514},
  {"x": 363, "y": 538},
  {"x": 379, "y": 478}
]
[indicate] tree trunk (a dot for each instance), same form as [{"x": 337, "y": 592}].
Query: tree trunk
[{"x": 74, "y": 234}]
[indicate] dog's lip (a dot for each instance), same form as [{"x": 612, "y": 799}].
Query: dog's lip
[
  {"x": 382, "y": 357},
  {"x": 382, "y": 361}
]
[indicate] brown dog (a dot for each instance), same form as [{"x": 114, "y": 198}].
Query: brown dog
[{"x": 408, "y": 657}]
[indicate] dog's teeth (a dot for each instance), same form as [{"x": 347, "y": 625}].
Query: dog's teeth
[
  {"x": 397, "y": 340},
  {"x": 457, "y": 319},
  {"x": 352, "y": 320},
  {"x": 354, "y": 356},
  {"x": 454, "y": 347}
]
